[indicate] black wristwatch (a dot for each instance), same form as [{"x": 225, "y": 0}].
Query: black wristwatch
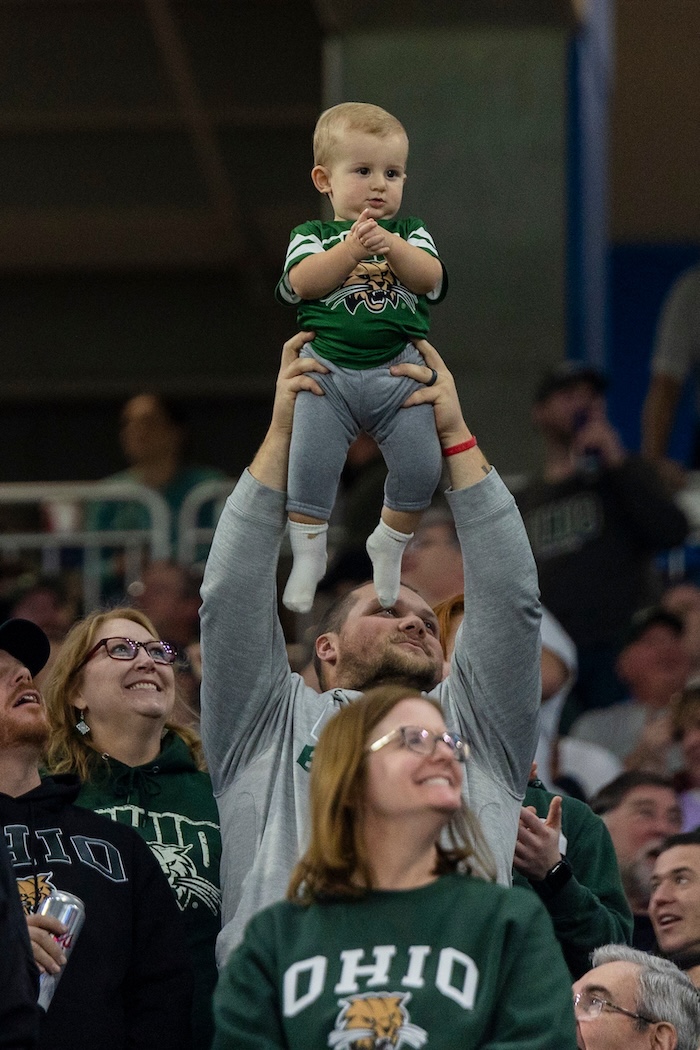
[{"x": 554, "y": 880}]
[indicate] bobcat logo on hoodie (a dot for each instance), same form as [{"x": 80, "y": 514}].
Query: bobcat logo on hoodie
[
  {"x": 182, "y": 876},
  {"x": 32, "y": 892},
  {"x": 376, "y": 1022}
]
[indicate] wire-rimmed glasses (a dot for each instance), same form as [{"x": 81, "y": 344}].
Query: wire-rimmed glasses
[
  {"x": 590, "y": 1006},
  {"x": 423, "y": 742}
]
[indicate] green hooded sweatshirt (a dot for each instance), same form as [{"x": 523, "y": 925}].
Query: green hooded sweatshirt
[{"x": 171, "y": 805}]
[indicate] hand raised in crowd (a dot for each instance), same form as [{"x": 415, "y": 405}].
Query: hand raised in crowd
[
  {"x": 294, "y": 375},
  {"x": 441, "y": 393},
  {"x": 597, "y": 434},
  {"x": 537, "y": 849},
  {"x": 653, "y": 744}
]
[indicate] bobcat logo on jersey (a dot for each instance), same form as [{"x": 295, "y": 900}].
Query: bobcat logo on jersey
[
  {"x": 376, "y": 1022},
  {"x": 374, "y": 286},
  {"x": 181, "y": 873},
  {"x": 32, "y": 892}
]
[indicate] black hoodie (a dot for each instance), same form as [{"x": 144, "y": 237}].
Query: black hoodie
[
  {"x": 127, "y": 983},
  {"x": 19, "y": 977}
]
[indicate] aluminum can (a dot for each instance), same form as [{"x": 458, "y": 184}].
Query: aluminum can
[{"x": 69, "y": 910}]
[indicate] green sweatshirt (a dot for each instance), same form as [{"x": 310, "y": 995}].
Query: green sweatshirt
[
  {"x": 591, "y": 909},
  {"x": 457, "y": 963},
  {"x": 171, "y": 805}
]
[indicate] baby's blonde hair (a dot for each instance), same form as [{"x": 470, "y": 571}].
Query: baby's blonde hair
[{"x": 352, "y": 116}]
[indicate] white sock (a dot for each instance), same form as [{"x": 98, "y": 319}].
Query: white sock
[
  {"x": 308, "y": 565},
  {"x": 385, "y": 547}
]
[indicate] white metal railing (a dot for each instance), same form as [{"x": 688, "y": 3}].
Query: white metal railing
[
  {"x": 66, "y": 502},
  {"x": 190, "y": 535},
  {"x": 136, "y": 544}
]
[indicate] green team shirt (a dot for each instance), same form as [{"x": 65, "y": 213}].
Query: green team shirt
[
  {"x": 457, "y": 963},
  {"x": 371, "y": 316}
]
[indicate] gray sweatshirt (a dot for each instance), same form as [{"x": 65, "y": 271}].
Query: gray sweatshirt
[{"x": 260, "y": 722}]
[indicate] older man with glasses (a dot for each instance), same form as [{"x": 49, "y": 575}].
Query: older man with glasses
[{"x": 633, "y": 1000}]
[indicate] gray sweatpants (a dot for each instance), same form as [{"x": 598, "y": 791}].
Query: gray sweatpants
[{"x": 362, "y": 399}]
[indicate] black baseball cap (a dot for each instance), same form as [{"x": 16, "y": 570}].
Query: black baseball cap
[
  {"x": 643, "y": 619},
  {"x": 568, "y": 373},
  {"x": 26, "y": 642}
]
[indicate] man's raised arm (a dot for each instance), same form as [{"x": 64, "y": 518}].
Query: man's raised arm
[
  {"x": 245, "y": 672},
  {"x": 269, "y": 466},
  {"x": 495, "y": 679},
  {"x": 466, "y": 462}
]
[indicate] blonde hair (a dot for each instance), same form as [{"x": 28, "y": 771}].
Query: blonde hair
[
  {"x": 352, "y": 116},
  {"x": 336, "y": 862},
  {"x": 68, "y": 751}
]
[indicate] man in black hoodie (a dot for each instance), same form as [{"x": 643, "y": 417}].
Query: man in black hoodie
[
  {"x": 127, "y": 982},
  {"x": 19, "y": 977}
]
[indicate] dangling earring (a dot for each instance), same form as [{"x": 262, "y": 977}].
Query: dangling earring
[{"x": 82, "y": 726}]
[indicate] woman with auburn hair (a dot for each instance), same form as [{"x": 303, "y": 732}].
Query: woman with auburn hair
[
  {"x": 391, "y": 935},
  {"x": 110, "y": 699}
]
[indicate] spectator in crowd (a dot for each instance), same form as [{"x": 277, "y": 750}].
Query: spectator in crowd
[
  {"x": 639, "y": 810},
  {"x": 19, "y": 976},
  {"x": 675, "y": 901},
  {"x": 683, "y": 600},
  {"x": 393, "y": 860},
  {"x": 653, "y": 665},
  {"x": 361, "y": 493},
  {"x": 127, "y": 983},
  {"x": 685, "y": 720},
  {"x": 676, "y": 354},
  {"x": 634, "y": 1000},
  {"x": 260, "y": 722},
  {"x": 111, "y": 700},
  {"x": 168, "y": 594},
  {"x": 48, "y": 602},
  {"x": 563, "y": 764},
  {"x": 595, "y": 519},
  {"x": 432, "y": 561},
  {"x": 564, "y": 853},
  {"x": 154, "y": 436}
]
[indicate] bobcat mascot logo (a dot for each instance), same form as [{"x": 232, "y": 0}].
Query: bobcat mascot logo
[
  {"x": 181, "y": 873},
  {"x": 376, "y": 1022},
  {"x": 374, "y": 286},
  {"x": 32, "y": 894}
]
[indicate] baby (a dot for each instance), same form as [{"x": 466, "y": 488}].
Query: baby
[{"x": 362, "y": 284}]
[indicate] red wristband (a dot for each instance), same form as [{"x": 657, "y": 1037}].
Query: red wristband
[{"x": 464, "y": 447}]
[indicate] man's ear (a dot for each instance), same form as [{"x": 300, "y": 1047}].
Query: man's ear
[
  {"x": 663, "y": 1036},
  {"x": 327, "y": 648},
  {"x": 321, "y": 178}
]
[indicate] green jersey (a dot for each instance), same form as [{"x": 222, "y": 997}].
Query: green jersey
[
  {"x": 457, "y": 963},
  {"x": 372, "y": 316}
]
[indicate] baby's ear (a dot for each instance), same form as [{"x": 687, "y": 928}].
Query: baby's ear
[{"x": 321, "y": 178}]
